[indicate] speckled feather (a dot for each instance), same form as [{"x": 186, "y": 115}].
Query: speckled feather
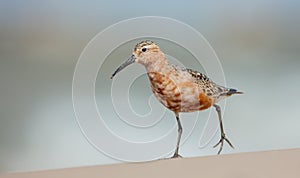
[{"x": 209, "y": 87}]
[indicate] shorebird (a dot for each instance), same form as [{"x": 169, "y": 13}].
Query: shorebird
[{"x": 179, "y": 89}]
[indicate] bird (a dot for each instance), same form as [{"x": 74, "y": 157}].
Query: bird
[{"x": 179, "y": 89}]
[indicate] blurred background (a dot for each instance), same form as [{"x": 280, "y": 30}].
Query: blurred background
[{"x": 258, "y": 44}]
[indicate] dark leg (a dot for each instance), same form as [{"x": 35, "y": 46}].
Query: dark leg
[
  {"x": 176, "y": 155},
  {"x": 223, "y": 137}
]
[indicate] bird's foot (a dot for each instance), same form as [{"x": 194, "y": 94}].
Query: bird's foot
[
  {"x": 221, "y": 141},
  {"x": 176, "y": 155}
]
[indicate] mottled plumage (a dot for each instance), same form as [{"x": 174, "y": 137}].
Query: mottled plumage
[
  {"x": 180, "y": 90},
  {"x": 209, "y": 87}
]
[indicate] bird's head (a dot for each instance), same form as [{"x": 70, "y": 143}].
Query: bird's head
[{"x": 144, "y": 53}]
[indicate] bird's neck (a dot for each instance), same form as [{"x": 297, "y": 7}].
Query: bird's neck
[{"x": 158, "y": 64}]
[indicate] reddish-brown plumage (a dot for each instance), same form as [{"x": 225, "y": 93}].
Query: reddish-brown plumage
[
  {"x": 177, "y": 95},
  {"x": 205, "y": 101}
]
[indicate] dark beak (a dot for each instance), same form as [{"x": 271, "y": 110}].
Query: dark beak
[{"x": 125, "y": 64}]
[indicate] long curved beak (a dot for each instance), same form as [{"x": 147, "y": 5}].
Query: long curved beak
[{"x": 125, "y": 64}]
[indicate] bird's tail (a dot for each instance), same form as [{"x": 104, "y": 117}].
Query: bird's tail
[{"x": 232, "y": 91}]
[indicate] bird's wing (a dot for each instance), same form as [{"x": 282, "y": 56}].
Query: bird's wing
[
  {"x": 207, "y": 85},
  {"x": 198, "y": 76}
]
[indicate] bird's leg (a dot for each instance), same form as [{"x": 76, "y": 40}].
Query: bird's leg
[
  {"x": 223, "y": 137},
  {"x": 176, "y": 155}
]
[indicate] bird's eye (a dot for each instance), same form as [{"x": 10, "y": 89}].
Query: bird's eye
[{"x": 144, "y": 49}]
